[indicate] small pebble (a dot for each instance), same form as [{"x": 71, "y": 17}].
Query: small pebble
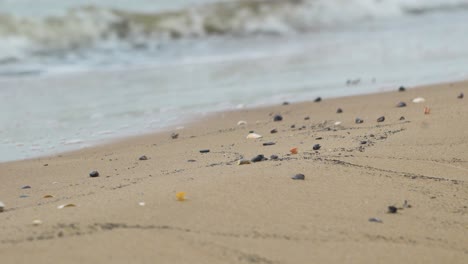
[
  {"x": 293, "y": 126},
  {"x": 318, "y": 99},
  {"x": 392, "y": 209},
  {"x": 306, "y": 118},
  {"x": 23, "y": 196},
  {"x": 274, "y": 157},
  {"x": 285, "y": 103},
  {"x": 381, "y": 119},
  {"x": 359, "y": 121},
  {"x": 94, "y": 174},
  {"x": 402, "y": 118},
  {"x": 45, "y": 165},
  {"x": 363, "y": 142},
  {"x": 269, "y": 143},
  {"x": 460, "y": 96},
  {"x": 26, "y": 187},
  {"x": 293, "y": 151},
  {"x": 375, "y": 220},
  {"x": 204, "y": 151},
  {"x": 277, "y": 118},
  {"x": 401, "y": 104},
  {"x": 339, "y": 111},
  {"x": 143, "y": 158},
  {"x": 319, "y": 138},
  {"x": 273, "y": 131},
  {"x": 174, "y": 135},
  {"x": 243, "y": 162},
  {"x": 316, "y": 147},
  {"x": 191, "y": 160},
  {"x": 258, "y": 158},
  {"x": 401, "y": 89},
  {"x": 298, "y": 177}
]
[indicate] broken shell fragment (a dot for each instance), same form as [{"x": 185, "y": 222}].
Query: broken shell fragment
[
  {"x": 66, "y": 205},
  {"x": 401, "y": 104},
  {"x": 253, "y": 136},
  {"x": 293, "y": 151},
  {"x": 427, "y": 110},
  {"x": 381, "y": 119},
  {"x": 48, "y": 196},
  {"x": 243, "y": 162},
  {"x": 141, "y": 203},
  {"x": 418, "y": 100},
  {"x": 298, "y": 177},
  {"x": 359, "y": 121},
  {"x": 37, "y": 222},
  {"x": 241, "y": 123},
  {"x": 460, "y": 96},
  {"x": 258, "y": 158},
  {"x": 392, "y": 209},
  {"x": 337, "y": 123},
  {"x": 316, "y": 147},
  {"x": 180, "y": 196},
  {"x": 2, "y": 207},
  {"x": 375, "y": 220}
]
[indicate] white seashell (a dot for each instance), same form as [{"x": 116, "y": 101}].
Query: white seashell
[
  {"x": 243, "y": 162},
  {"x": 337, "y": 123},
  {"x": 37, "y": 222},
  {"x": 2, "y": 207},
  {"x": 66, "y": 205},
  {"x": 418, "y": 100},
  {"x": 253, "y": 136},
  {"x": 141, "y": 203},
  {"x": 241, "y": 123}
]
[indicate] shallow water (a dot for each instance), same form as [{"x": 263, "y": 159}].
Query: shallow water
[{"x": 56, "y": 99}]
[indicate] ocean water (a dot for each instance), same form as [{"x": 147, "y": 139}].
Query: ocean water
[{"x": 78, "y": 73}]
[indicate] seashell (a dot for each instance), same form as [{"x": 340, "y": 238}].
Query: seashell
[
  {"x": 26, "y": 187},
  {"x": 418, "y": 100},
  {"x": 241, "y": 123},
  {"x": 180, "y": 196},
  {"x": 243, "y": 162},
  {"x": 94, "y": 174},
  {"x": 37, "y": 222},
  {"x": 48, "y": 196},
  {"x": 358, "y": 121},
  {"x": 2, "y": 207},
  {"x": 141, "y": 203},
  {"x": 66, "y": 205},
  {"x": 381, "y": 119},
  {"x": 293, "y": 151},
  {"x": 427, "y": 110},
  {"x": 337, "y": 123},
  {"x": 401, "y": 104},
  {"x": 253, "y": 136},
  {"x": 375, "y": 220},
  {"x": 298, "y": 177}
]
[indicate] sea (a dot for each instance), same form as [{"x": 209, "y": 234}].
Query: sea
[{"x": 77, "y": 73}]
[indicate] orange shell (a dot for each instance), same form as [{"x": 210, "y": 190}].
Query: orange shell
[
  {"x": 293, "y": 151},
  {"x": 180, "y": 196},
  {"x": 427, "y": 110}
]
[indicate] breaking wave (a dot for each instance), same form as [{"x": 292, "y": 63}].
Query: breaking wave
[{"x": 87, "y": 27}]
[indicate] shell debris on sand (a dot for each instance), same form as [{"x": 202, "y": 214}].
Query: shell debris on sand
[
  {"x": 2, "y": 207},
  {"x": 243, "y": 162},
  {"x": 241, "y": 123},
  {"x": 253, "y": 136},
  {"x": 48, "y": 196},
  {"x": 66, "y": 206},
  {"x": 418, "y": 100},
  {"x": 293, "y": 151},
  {"x": 180, "y": 196},
  {"x": 141, "y": 203},
  {"x": 37, "y": 222},
  {"x": 427, "y": 110}
]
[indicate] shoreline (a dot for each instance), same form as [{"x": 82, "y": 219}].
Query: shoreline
[{"x": 256, "y": 213}]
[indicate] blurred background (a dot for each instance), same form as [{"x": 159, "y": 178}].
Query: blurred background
[{"x": 80, "y": 72}]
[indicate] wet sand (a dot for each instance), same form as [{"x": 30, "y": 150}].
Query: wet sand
[{"x": 256, "y": 213}]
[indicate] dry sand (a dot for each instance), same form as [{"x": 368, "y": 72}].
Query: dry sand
[{"x": 256, "y": 213}]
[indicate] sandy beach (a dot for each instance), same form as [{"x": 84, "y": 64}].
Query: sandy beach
[{"x": 256, "y": 213}]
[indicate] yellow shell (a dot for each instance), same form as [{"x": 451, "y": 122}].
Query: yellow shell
[
  {"x": 48, "y": 196},
  {"x": 66, "y": 205},
  {"x": 180, "y": 196}
]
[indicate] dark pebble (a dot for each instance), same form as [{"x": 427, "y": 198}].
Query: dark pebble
[
  {"x": 318, "y": 99},
  {"x": 174, "y": 135},
  {"x": 204, "y": 151},
  {"x": 363, "y": 142},
  {"x": 191, "y": 160},
  {"x": 319, "y": 138},
  {"x": 339, "y": 111},
  {"x": 460, "y": 96},
  {"x": 143, "y": 158},
  {"x": 316, "y": 147},
  {"x": 392, "y": 209},
  {"x": 375, "y": 220},
  {"x": 381, "y": 119},
  {"x": 401, "y": 104},
  {"x": 94, "y": 174},
  {"x": 273, "y": 131},
  {"x": 402, "y": 118},
  {"x": 285, "y": 103},
  {"x": 45, "y": 165},
  {"x": 298, "y": 177},
  {"x": 274, "y": 157},
  {"x": 306, "y": 118},
  {"x": 23, "y": 196},
  {"x": 277, "y": 118},
  {"x": 258, "y": 158},
  {"x": 26, "y": 187},
  {"x": 251, "y": 131},
  {"x": 293, "y": 126},
  {"x": 401, "y": 89},
  {"x": 359, "y": 121},
  {"x": 269, "y": 143}
]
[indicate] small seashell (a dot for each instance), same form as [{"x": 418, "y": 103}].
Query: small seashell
[
  {"x": 37, "y": 222},
  {"x": 180, "y": 196},
  {"x": 253, "y": 136},
  {"x": 274, "y": 157},
  {"x": 298, "y": 177},
  {"x": 141, "y": 203},
  {"x": 26, "y": 187},
  {"x": 381, "y": 119},
  {"x": 427, "y": 110},
  {"x": 402, "y": 118},
  {"x": 143, "y": 157},
  {"x": 337, "y": 123},
  {"x": 2, "y": 207},
  {"x": 359, "y": 121},
  {"x": 269, "y": 143},
  {"x": 66, "y": 205},
  {"x": 401, "y": 104},
  {"x": 375, "y": 220},
  {"x": 48, "y": 196},
  {"x": 243, "y": 162},
  {"x": 293, "y": 151},
  {"x": 316, "y": 147},
  {"x": 241, "y": 123},
  {"x": 273, "y": 131},
  {"x": 418, "y": 100}
]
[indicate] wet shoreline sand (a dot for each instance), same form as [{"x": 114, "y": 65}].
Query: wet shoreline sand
[{"x": 255, "y": 213}]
